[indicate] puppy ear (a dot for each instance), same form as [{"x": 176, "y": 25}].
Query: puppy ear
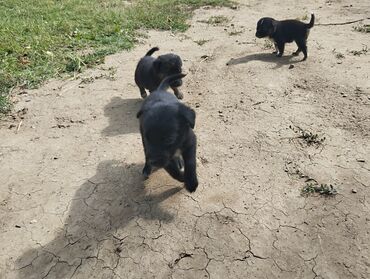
[
  {"x": 274, "y": 26},
  {"x": 188, "y": 115},
  {"x": 157, "y": 64}
]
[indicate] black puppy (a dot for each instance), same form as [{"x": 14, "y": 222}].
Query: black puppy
[
  {"x": 166, "y": 128},
  {"x": 285, "y": 31},
  {"x": 151, "y": 71}
]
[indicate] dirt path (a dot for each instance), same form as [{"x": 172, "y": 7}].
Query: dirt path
[{"x": 73, "y": 202}]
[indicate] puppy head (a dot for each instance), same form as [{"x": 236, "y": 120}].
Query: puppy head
[
  {"x": 163, "y": 130},
  {"x": 266, "y": 26},
  {"x": 167, "y": 65}
]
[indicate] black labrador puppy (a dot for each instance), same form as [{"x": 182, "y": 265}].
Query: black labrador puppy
[
  {"x": 285, "y": 31},
  {"x": 151, "y": 71},
  {"x": 166, "y": 128}
]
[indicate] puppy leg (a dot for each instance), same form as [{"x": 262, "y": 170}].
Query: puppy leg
[
  {"x": 143, "y": 92},
  {"x": 177, "y": 92},
  {"x": 173, "y": 169},
  {"x": 190, "y": 175},
  {"x": 281, "y": 47},
  {"x": 297, "y": 52},
  {"x": 276, "y": 49},
  {"x": 147, "y": 170},
  {"x": 303, "y": 46}
]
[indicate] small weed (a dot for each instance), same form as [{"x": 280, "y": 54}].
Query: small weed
[
  {"x": 201, "y": 42},
  {"x": 309, "y": 137},
  {"x": 365, "y": 28},
  {"x": 322, "y": 189},
  {"x": 305, "y": 17},
  {"x": 234, "y": 33},
  {"x": 339, "y": 55},
  {"x": 268, "y": 44},
  {"x": 359, "y": 52},
  {"x": 216, "y": 20}
]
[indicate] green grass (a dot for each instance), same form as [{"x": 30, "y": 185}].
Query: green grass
[
  {"x": 322, "y": 189},
  {"x": 41, "y": 39}
]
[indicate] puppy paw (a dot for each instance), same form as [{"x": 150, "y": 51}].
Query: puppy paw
[
  {"x": 178, "y": 93},
  {"x": 147, "y": 170},
  {"x": 191, "y": 184},
  {"x": 143, "y": 93},
  {"x": 279, "y": 55},
  {"x": 180, "y": 96}
]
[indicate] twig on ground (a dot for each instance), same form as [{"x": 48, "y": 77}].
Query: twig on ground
[
  {"x": 341, "y": 23},
  {"x": 19, "y": 126}
]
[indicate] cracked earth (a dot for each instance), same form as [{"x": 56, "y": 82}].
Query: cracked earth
[{"x": 73, "y": 202}]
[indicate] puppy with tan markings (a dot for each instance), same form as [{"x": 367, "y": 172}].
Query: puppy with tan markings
[
  {"x": 166, "y": 128},
  {"x": 285, "y": 31},
  {"x": 151, "y": 71}
]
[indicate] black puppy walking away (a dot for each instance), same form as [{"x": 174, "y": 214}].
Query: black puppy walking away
[
  {"x": 166, "y": 128},
  {"x": 285, "y": 31},
  {"x": 151, "y": 71}
]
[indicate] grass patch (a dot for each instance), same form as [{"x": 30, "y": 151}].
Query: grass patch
[
  {"x": 42, "y": 39},
  {"x": 4, "y": 104},
  {"x": 322, "y": 189}
]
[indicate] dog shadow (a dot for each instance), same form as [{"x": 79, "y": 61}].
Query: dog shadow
[
  {"x": 265, "y": 57},
  {"x": 122, "y": 116},
  {"x": 105, "y": 203}
]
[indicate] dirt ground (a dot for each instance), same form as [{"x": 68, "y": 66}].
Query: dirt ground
[{"x": 73, "y": 202}]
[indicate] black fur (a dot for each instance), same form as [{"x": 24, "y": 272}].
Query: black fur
[
  {"x": 285, "y": 31},
  {"x": 151, "y": 71},
  {"x": 166, "y": 128}
]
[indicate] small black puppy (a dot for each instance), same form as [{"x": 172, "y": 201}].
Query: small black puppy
[
  {"x": 166, "y": 128},
  {"x": 151, "y": 71},
  {"x": 285, "y": 31}
]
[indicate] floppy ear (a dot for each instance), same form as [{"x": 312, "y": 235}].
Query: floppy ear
[
  {"x": 188, "y": 115},
  {"x": 157, "y": 64},
  {"x": 274, "y": 26}
]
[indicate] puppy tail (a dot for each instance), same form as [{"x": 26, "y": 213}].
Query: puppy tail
[
  {"x": 312, "y": 21},
  {"x": 151, "y": 51},
  {"x": 166, "y": 82}
]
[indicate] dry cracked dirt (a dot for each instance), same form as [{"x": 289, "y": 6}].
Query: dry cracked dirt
[{"x": 73, "y": 202}]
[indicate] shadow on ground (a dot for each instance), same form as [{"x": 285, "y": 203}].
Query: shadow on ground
[
  {"x": 265, "y": 57},
  {"x": 122, "y": 116},
  {"x": 105, "y": 203}
]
